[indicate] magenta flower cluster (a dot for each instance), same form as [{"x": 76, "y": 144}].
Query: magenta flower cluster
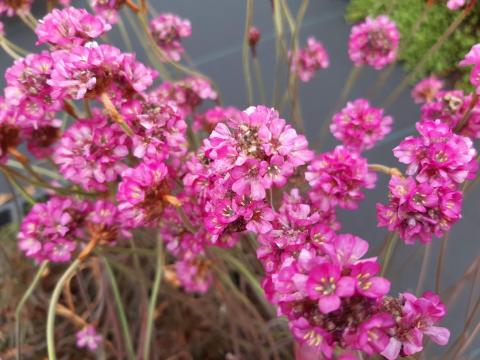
[
  {"x": 167, "y": 30},
  {"x": 374, "y": 42},
  {"x": 307, "y": 61}
]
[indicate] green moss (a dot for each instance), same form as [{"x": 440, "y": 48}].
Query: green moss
[{"x": 415, "y": 44}]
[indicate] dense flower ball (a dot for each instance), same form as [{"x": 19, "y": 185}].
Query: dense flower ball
[
  {"x": 88, "y": 338},
  {"x": 91, "y": 153},
  {"x": 307, "y": 61},
  {"x": 107, "y": 9},
  {"x": 210, "y": 118},
  {"x": 374, "y": 42},
  {"x": 143, "y": 193},
  {"x": 473, "y": 58},
  {"x": 70, "y": 27},
  {"x": 15, "y": 7},
  {"x": 438, "y": 156},
  {"x": 455, "y": 4},
  {"x": 360, "y": 126},
  {"x": 168, "y": 30},
  {"x": 427, "y": 89},
  {"x": 194, "y": 274},
  {"x": 419, "y": 211},
  {"x": 337, "y": 178},
  {"x": 414, "y": 317},
  {"x": 50, "y": 230}
]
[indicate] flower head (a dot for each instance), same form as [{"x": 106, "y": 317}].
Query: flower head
[
  {"x": 360, "y": 126},
  {"x": 167, "y": 30},
  {"x": 374, "y": 42},
  {"x": 307, "y": 61},
  {"x": 88, "y": 338},
  {"x": 426, "y": 90}
]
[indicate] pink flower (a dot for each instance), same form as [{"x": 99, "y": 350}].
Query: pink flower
[
  {"x": 70, "y": 27},
  {"x": 337, "y": 178},
  {"x": 167, "y": 30},
  {"x": 107, "y": 9},
  {"x": 418, "y": 316},
  {"x": 372, "y": 335},
  {"x": 448, "y": 106},
  {"x": 91, "y": 153},
  {"x": 455, "y": 4},
  {"x": 254, "y": 36},
  {"x": 17, "y": 7},
  {"x": 188, "y": 93},
  {"x": 88, "y": 338},
  {"x": 28, "y": 90},
  {"x": 142, "y": 194},
  {"x": 426, "y": 90},
  {"x": 315, "y": 340},
  {"x": 367, "y": 284},
  {"x": 374, "y": 42},
  {"x": 42, "y": 139},
  {"x": 106, "y": 223},
  {"x": 9, "y": 130},
  {"x": 360, "y": 126},
  {"x": 50, "y": 230},
  {"x": 473, "y": 58},
  {"x": 307, "y": 61},
  {"x": 210, "y": 118},
  {"x": 326, "y": 284},
  {"x": 419, "y": 210},
  {"x": 438, "y": 155},
  {"x": 194, "y": 274}
]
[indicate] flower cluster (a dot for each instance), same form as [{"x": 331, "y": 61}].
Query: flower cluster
[
  {"x": 360, "y": 126},
  {"x": 88, "y": 338},
  {"x": 427, "y": 203},
  {"x": 455, "y": 4},
  {"x": 210, "y": 118},
  {"x": 338, "y": 177},
  {"x": 17, "y": 7},
  {"x": 427, "y": 89},
  {"x": 167, "y": 30},
  {"x": 107, "y": 9},
  {"x": 307, "y": 61},
  {"x": 374, "y": 42}
]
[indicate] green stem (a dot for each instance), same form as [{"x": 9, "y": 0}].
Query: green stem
[
  {"x": 121, "y": 310},
  {"x": 18, "y": 187},
  {"x": 124, "y": 35},
  {"x": 391, "y": 246},
  {"x": 53, "y": 303},
  {"x": 18, "y": 311},
  {"x": 245, "y": 52},
  {"x": 153, "y": 299},
  {"x": 260, "y": 84}
]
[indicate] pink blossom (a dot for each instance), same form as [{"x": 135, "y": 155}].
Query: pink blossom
[
  {"x": 438, "y": 155},
  {"x": 307, "y": 61},
  {"x": 41, "y": 140},
  {"x": 50, "y": 230},
  {"x": 374, "y": 42},
  {"x": 107, "y": 9},
  {"x": 418, "y": 316},
  {"x": 91, "y": 153},
  {"x": 194, "y": 274},
  {"x": 210, "y": 118},
  {"x": 17, "y": 7},
  {"x": 88, "y": 338},
  {"x": 167, "y": 30},
  {"x": 473, "y": 58},
  {"x": 70, "y": 27},
  {"x": 455, "y": 4},
  {"x": 106, "y": 223},
  {"x": 426, "y": 90},
  {"x": 142, "y": 193},
  {"x": 337, "y": 178},
  {"x": 360, "y": 126},
  {"x": 448, "y": 106},
  {"x": 326, "y": 285},
  {"x": 419, "y": 210},
  {"x": 315, "y": 339},
  {"x": 9, "y": 130},
  {"x": 367, "y": 284},
  {"x": 372, "y": 336},
  {"x": 188, "y": 93}
]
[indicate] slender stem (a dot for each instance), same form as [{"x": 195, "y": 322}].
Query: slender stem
[
  {"x": 124, "y": 34},
  {"x": 153, "y": 299},
  {"x": 441, "y": 258},
  {"x": 18, "y": 311},
  {"x": 52, "y": 307},
  {"x": 8, "y": 49},
  {"x": 259, "y": 78},
  {"x": 114, "y": 114},
  {"x": 352, "y": 78},
  {"x": 423, "y": 269},
  {"x": 121, "y": 310},
  {"x": 17, "y": 186},
  {"x": 246, "y": 51},
  {"x": 385, "y": 169},
  {"x": 391, "y": 246}
]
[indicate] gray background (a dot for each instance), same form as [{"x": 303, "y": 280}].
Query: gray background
[{"x": 215, "y": 48}]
